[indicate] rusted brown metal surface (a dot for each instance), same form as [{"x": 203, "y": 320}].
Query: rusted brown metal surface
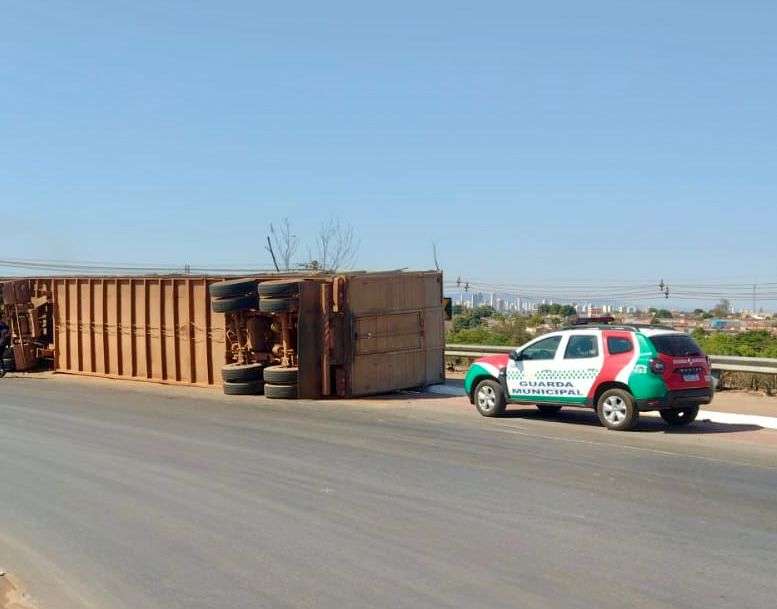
[
  {"x": 151, "y": 329},
  {"x": 27, "y": 311},
  {"x": 397, "y": 331},
  {"x": 355, "y": 333}
]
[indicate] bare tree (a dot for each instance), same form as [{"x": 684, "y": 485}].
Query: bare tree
[
  {"x": 282, "y": 244},
  {"x": 335, "y": 246},
  {"x": 434, "y": 255}
]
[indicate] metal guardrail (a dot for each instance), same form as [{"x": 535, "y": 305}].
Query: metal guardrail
[{"x": 762, "y": 365}]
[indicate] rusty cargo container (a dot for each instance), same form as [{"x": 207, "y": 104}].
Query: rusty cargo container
[
  {"x": 359, "y": 333},
  {"x": 151, "y": 329}
]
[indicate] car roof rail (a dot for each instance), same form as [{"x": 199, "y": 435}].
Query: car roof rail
[{"x": 627, "y": 327}]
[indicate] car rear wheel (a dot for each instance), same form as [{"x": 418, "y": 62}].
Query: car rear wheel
[
  {"x": 617, "y": 410},
  {"x": 547, "y": 410},
  {"x": 489, "y": 398},
  {"x": 680, "y": 416}
]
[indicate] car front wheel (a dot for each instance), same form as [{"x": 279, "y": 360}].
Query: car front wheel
[{"x": 490, "y": 399}]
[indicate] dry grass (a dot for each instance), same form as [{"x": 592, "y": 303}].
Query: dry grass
[{"x": 749, "y": 381}]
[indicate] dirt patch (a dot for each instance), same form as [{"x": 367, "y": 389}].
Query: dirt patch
[{"x": 12, "y": 594}]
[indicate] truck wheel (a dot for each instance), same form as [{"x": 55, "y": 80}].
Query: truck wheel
[
  {"x": 617, "y": 410},
  {"x": 278, "y": 375},
  {"x": 246, "y": 388},
  {"x": 232, "y": 288},
  {"x": 277, "y": 305},
  {"x": 279, "y": 289},
  {"x": 280, "y": 392},
  {"x": 548, "y": 410},
  {"x": 239, "y": 373},
  {"x": 679, "y": 416},
  {"x": 489, "y": 398},
  {"x": 237, "y": 303}
]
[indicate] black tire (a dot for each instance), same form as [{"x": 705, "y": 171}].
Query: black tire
[
  {"x": 277, "y": 305},
  {"x": 238, "y": 303},
  {"x": 617, "y": 410},
  {"x": 677, "y": 417},
  {"x": 280, "y": 392},
  {"x": 232, "y": 288},
  {"x": 278, "y": 375},
  {"x": 9, "y": 364},
  {"x": 279, "y": 289},
  {"x": 490, "y": 398},
  {"x": 240, "y": 373},
  {"x": 548, "y": 410},
  {"x": 247, "y": 388}
]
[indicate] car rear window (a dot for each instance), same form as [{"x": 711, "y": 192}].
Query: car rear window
[{"x": 676, "y": 344}]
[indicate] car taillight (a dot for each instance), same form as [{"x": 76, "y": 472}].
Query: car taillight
[{"x": 657, "y": 366}]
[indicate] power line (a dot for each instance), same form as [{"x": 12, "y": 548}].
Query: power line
[{"x": 132, "y": 268}]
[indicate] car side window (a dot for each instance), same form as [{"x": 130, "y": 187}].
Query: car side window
[
  {"x": 619, "y": 344},
  {"x": 544, "y": 349},
  {"x": 582, "y": 346}
]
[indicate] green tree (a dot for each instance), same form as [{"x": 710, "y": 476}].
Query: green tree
[
  {"x": 536, "y": 320},
  {"x": 568, "y": 310},
  {"x": 756, "y": 343},
  {"x": 472, "y": 318}
]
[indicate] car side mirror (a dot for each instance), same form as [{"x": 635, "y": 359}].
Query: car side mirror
[{"x": 516, "y": 356}]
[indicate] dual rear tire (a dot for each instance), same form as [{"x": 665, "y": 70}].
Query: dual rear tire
[
  {"x": 278, "y": 296},
  {"x": 243, "y": 379},
  {"x": 234, "y": 295},
  {"x": 281, "y": 383}
]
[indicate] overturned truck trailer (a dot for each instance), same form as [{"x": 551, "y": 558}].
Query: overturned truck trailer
[{"x": 356, "y": 333}]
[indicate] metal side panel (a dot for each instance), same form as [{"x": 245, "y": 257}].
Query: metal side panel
[
  {"x": 396, "y": 332},
  {"x": 152, "y": 329},
  {"x": 310, "y": 343}
]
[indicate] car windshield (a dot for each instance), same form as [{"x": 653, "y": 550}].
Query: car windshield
[{"x": 676, "y": 344}]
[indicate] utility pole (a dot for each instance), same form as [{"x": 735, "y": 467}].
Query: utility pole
[{"x": 754, "y": 297}]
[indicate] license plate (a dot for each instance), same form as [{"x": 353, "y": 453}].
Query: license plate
[{"x": 688, "y": 378}]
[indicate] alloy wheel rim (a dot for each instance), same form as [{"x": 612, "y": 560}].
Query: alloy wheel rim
[
  {"x": 614, "y": 409},
  {"x": 487, "y": 398}
]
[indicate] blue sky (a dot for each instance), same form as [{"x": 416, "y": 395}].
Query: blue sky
[{"x": 532, "y": 141}]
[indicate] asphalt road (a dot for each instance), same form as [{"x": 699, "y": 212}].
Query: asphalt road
[{"x": 116, "y": 496}]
